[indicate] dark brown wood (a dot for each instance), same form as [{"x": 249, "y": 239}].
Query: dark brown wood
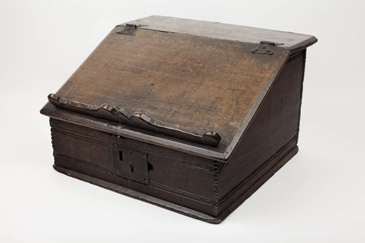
[
  {"x": 274, "y": 127},
  {"x": 134, "y": 117},
  {"x": 171, "y": 175},
  {"x": 261, "y": 178},
  {"x": 182, "y": 81},
  {"x": 137, "y": 119},
  {"x": 288, "y": 40}
]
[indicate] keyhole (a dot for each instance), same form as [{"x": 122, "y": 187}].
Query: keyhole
[{"x": 132, "y": 167}]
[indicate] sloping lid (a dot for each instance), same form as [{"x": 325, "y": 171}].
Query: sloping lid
[{"x": 179, "y": 90}]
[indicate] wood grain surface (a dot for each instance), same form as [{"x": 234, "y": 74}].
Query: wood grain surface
[
  {"x": 175, "y": 76},
  {"x": 289, "y": 40},
  {"x": 194, "y": 83}
]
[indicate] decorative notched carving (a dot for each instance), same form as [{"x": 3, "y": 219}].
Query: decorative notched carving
[
  {"x": 136, "y": 119},
  {"x": 104, "y": 111}
]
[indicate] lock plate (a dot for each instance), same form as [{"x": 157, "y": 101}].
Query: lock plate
[{"x": 131, "y": 164}]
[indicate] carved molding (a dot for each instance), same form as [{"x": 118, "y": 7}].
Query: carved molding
[{"x": 136, "y": 119}]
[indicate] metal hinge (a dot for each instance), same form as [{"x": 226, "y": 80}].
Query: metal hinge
[
  {"x": 265, "y": 47},
  {"x": 129, "y": 29}
]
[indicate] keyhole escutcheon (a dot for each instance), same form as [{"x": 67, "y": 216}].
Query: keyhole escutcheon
[{"x": 132, "y": 167}]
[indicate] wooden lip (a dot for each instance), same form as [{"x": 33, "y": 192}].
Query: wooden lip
[{"x": 136, "y": 119}]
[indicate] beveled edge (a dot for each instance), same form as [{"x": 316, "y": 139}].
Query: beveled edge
[{"x": 288, "y": 40}]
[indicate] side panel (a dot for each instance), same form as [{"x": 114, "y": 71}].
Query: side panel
[
  {"x": 270, "y": 136},
  {"x": 170, "y": 175}
]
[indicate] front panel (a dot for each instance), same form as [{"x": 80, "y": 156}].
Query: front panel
[{"x": 121, "y": 161}]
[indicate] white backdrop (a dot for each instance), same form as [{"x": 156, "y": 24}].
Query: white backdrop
[{"x": 318, "y": 196}]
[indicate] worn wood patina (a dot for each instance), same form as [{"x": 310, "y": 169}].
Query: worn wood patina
[{"x": 189, "y": 115}]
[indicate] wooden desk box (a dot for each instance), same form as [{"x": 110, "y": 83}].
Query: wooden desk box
[{"x": 189, "y": 115}]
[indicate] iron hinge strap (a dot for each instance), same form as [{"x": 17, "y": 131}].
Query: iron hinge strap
[
  {"x": 129, "y": 29},
  {"x": 265, "y": 47}
]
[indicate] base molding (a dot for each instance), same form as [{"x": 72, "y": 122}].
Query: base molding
[
  {"x": 138, "y": 195},
  {"x": 274, "y": 165}
]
